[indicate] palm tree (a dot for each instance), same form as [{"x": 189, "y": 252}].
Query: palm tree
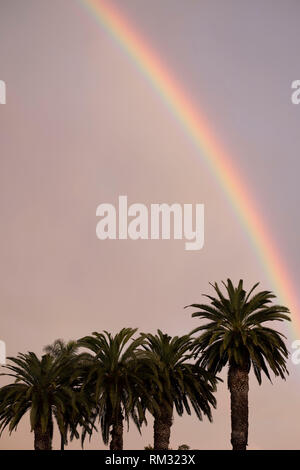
[
  {"x": 148, "y": 447},
  {"x": 112, "y": 376},
  {"x": 183, "y": 447},
  {"x": 237, "y": 335},
  {"x": 175, "y": 381},
  {"x": 41, "y": 387},
  {"x": 59, "y": 347},
  {"x": 58, "y": 350}
]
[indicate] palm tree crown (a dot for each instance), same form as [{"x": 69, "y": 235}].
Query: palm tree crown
[
  {"x": 181, "y": 382},
  {"x": 237, "y": 332},
  {"x": 59, "y": 347}
]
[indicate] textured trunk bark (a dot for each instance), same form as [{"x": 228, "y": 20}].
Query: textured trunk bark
[
  {"x": 116, "y": 442},
  {"x": 162, "y": 428},
  {"x": 42, "y": 440},
  {"x": 238, "y": 383}
]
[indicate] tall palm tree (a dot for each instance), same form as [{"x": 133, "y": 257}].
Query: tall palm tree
[
  {"x": 175, "y": 382},
  {"x": 112, "y": 376},
  {"x": 42, "y": 387},
  {"x": 237, "y": 335}
]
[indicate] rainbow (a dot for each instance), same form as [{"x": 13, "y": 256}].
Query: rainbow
[{"x": 196, "y": 127}]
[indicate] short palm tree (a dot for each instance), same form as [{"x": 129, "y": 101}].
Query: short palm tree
[
  {"x": 112, "y": 376},
  {"x": 175, "y": 382},
  {"x": 238, "y": 335},
  {"x": 42, "y": 387},
  {"x": 60, "y": 349},
  {"x": 183, "y": 447}
]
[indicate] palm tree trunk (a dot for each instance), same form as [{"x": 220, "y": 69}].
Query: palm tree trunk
[
  {"x": 42, "y": 440},
  {"x": 162, "y": 428},
  {"x": 62, "y": 442},
  {"x": 238, "y": 383},
  {"x": 116, "y": 442}
]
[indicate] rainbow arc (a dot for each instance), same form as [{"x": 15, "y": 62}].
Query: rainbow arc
[{"x": 197, "y": 128}]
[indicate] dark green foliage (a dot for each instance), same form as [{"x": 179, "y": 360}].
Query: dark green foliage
[
  {"x": 121, "y": 377},
  {"x": 177, "y": 380},
  {"x": 174, "y": 381},
  {"x": 237, "y": 332},
  {"x": 44, "y": 388},
  {"x": 113, "y": 376}
]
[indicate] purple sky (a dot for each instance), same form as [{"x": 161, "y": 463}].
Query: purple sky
[{"x": 82, "y": 126}]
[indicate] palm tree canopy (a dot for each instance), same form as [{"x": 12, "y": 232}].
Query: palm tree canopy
[
  {"x": 60, "y": 347},
  {"x": 41, "y": 387},
  {"x": 238, "y": 331},
  {"x": 112, "y": 375},
  {"x": 177, "y": 380}
]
